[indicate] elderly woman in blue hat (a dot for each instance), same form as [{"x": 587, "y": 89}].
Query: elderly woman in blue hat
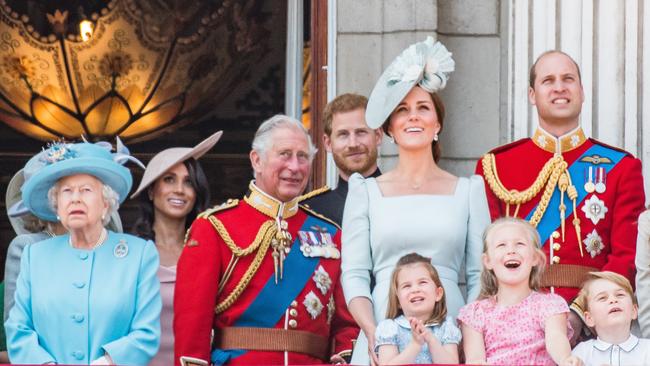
[
  {"x": 417, "y": 206},
  {"x": 90, "y": 296},
  {"x": 29, "y": 229}
]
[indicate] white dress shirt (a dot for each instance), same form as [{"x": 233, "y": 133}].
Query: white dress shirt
[{"x": 634, "y": 351}]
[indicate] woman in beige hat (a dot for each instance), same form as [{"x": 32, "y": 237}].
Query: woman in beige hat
[{"x": 173, "y": 191}]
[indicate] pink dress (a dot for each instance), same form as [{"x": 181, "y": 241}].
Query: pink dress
[
  {"x": 165, "y": 355},
  {"x": 514, "y": 335}
]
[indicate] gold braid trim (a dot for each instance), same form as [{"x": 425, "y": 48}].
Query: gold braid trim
[
  {"x": 514, "y": 196},
  {"x": 230, "y": 203},
  {"x": 547, "y": 179},
  {"x": 548, "y": 192},
  {"x": 314, "y": 213},
  {"x": 313, "y": 193},
  {"x": 237, "y": 251},
  {"x": 262, "y": 242}
]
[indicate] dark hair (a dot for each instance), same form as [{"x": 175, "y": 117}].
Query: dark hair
[
  {"x": 532, "y": 75},
  {"x": 143, "y": 226},
  {"x": 439, "y": 106},
  {"x": 343, "y": 103}
]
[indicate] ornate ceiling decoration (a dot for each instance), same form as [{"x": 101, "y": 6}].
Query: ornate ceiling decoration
[{"x": 145, "y": 69}]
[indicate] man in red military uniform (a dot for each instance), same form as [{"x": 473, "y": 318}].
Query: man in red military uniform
[
  {"x": 263, "y": 273},
  {"x": 583, "y": 196}
]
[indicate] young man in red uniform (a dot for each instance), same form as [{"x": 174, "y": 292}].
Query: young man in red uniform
[
  {"x": 263, "y": 273},
  {"x": 583, "y": 196}
]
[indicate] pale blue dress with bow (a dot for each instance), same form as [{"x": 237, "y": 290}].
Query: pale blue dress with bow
[
  {"x": 378, "y": 230},
  {"x": 73, "y": 305},
  {"x": 397, "y": 332}
]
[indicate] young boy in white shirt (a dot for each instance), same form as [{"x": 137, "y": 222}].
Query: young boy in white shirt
[{"x": 609, "y": 307}]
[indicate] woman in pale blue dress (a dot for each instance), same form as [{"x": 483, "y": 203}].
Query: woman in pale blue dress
[{"x": 416, "y": 207}]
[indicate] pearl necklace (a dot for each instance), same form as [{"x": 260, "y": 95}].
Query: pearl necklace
[{"x": 100, "y": 241}]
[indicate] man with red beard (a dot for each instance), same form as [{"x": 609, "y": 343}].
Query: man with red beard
[
  {"x": 354, "y": 147},
  {"x": 583, "y": 196}
]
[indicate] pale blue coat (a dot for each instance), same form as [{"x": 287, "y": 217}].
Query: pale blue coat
[{"x": 73, "y": 306}]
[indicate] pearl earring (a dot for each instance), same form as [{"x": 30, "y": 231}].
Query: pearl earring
[{"x": 435, "y": 137}]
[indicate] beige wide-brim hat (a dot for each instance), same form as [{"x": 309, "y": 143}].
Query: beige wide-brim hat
[{"x": 167, "y": 158}]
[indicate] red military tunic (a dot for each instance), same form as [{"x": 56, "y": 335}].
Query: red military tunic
[
  {"x": 316, "y": 306},
  {"x": 608, "y": 219}
]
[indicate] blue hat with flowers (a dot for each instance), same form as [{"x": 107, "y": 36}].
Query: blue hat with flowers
[
  {"x": 61, "y": 160},
  {"x": 425, "y": 63}
]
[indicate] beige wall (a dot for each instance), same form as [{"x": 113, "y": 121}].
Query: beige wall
[{"x": 371, "y": 33}]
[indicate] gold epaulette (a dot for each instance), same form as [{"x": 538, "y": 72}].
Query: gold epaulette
[
  {"x": 230, "y": 203},
  {"x": 314, "y": 213},
  {"x": 314, "y": 193}
]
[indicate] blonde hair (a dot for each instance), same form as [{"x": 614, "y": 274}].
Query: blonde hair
[
  {"x": 439, "y": 312},
  {"x": 583, "y": 296},
  {"x": 489, "y": 281}
]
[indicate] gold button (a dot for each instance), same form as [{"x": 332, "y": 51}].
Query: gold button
[
  {"x": 556, "y": 259},
  {"x": 293, "y": 323},
  {"x": 293, "y": 312},
  {"x": 294, "y": 303},
  {"x": 556, "y": 246}
]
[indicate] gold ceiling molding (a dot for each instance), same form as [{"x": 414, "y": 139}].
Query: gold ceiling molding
[{"x": 143, "y": 71}]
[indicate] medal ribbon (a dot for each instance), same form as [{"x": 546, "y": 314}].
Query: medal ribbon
[
  {"x": 274, "y": 299},
  {"x": 551, "y": 220}
]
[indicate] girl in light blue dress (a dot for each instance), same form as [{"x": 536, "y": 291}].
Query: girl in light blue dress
[{"x": 416, "y": 329}]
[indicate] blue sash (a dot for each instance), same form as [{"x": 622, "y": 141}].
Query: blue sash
[
  {"x": 274, "y": 299},
  {"x": 551, "y": 220}
]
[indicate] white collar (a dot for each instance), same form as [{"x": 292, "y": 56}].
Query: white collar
[{"x": 626, "y": 346}]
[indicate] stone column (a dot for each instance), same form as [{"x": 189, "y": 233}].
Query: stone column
[{"x": 609, "y": 41}]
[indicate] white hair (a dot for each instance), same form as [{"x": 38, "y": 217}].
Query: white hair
[
  {"x": 110, "y": 196},
  {"x": 262, "y": 141}
]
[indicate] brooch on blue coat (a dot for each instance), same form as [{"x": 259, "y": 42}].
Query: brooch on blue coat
[{"x": 121, "y": 249}]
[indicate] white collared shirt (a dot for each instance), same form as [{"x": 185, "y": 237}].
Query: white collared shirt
[{"x": 634, "y": 351}]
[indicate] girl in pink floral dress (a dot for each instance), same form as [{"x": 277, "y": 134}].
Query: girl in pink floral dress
[{"x": 512, "y": 323}]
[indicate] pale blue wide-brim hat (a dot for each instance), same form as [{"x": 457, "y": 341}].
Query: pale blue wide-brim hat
[
  {"x": 63, "y": 160},
  {"x": 425, "y": 63},
  {"x": 16, "y": 209}
]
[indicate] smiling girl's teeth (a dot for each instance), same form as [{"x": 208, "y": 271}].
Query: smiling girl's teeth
[
  {"x": 414, "y": 129},
  {"x": 512, "y": 264}
]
